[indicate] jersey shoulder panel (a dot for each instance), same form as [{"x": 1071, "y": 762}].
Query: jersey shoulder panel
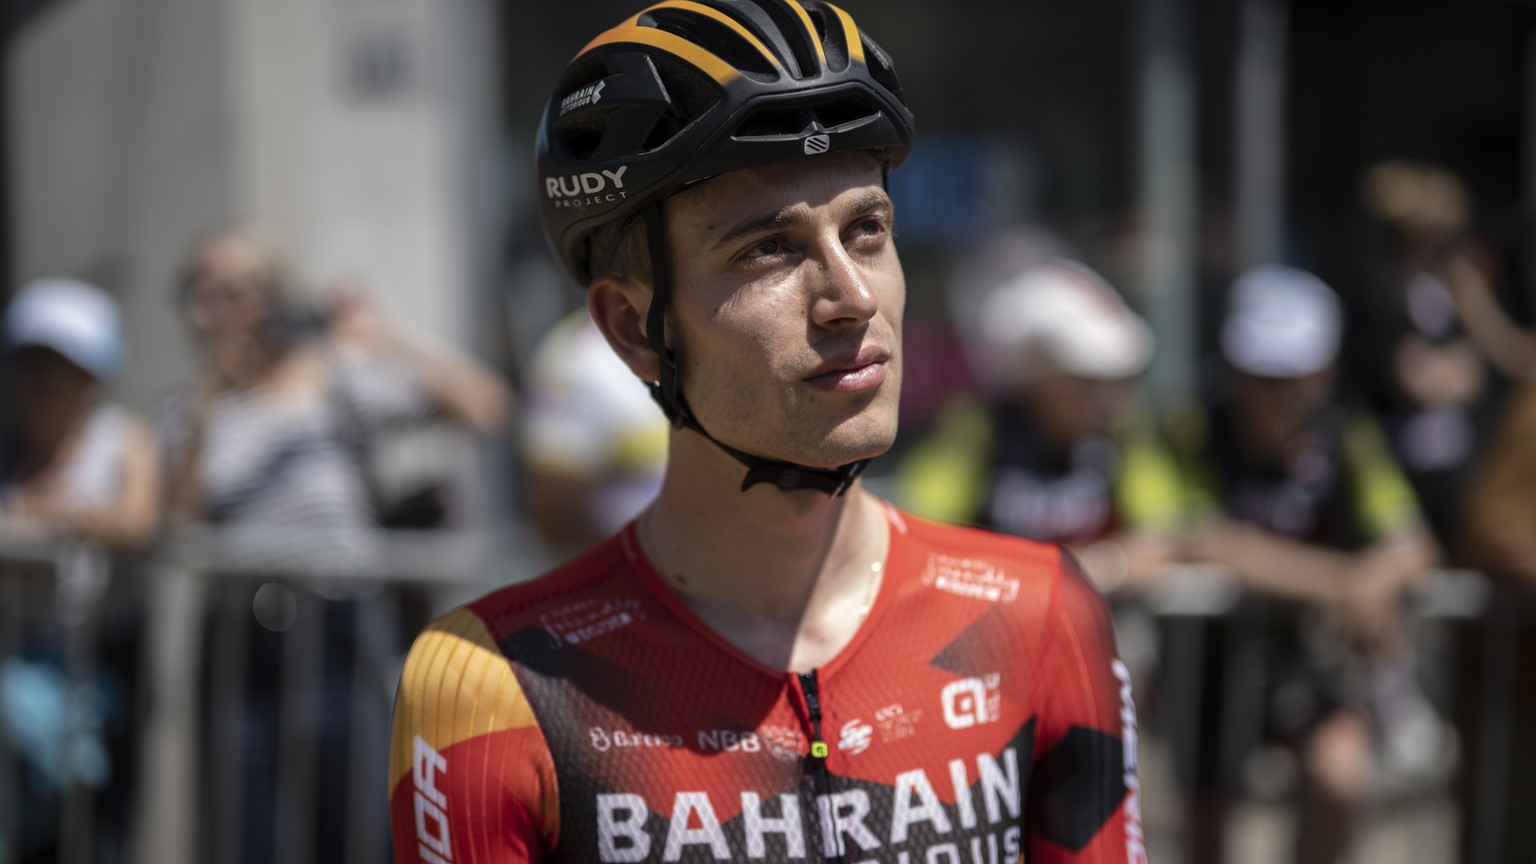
[
  {"x": 456, "y": 685},
  {"x": 466, "y": 743}
]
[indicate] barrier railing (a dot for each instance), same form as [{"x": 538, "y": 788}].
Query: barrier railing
[{"x": 206, "y": 588}]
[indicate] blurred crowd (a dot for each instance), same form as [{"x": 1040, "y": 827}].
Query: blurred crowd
[{"x": 1325, "y": 496}]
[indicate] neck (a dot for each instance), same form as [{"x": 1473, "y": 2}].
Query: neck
[{"x": 784, "y": 575}]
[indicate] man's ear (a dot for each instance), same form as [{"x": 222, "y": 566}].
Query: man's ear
[{"x": 618, "y": 307}]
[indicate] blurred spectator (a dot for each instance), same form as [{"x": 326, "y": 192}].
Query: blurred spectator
[
  {"x": 1496, "y": 654},
  {"x": 1303, "y": 502},
  {"x": 73, "y": 466},
  {"x": 272, "y": 443},
  {"x": 594, "y": 443},
  {"x": 1500, "y": 529},
  {"x": 274, "y": 434},
  {"x": 1434, "y": 328},
  {"x": 1057, "y": 453}
]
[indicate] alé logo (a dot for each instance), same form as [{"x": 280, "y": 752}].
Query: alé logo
[{"x": 972, "y": 701}]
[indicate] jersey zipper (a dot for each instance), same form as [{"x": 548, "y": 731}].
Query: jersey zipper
[{"x": 817, "y": 761}]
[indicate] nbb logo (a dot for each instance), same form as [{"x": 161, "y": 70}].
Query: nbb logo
[{"x": 972, "y": 701}]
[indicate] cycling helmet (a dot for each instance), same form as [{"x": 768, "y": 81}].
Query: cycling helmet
[{"x": 690, "y": 89}]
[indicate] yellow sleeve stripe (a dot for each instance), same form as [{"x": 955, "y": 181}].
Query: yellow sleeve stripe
[
  {"x": 723, "y": 72},
  {"x": 850, "y": 35},
  {"x": 456, "y": 685}
]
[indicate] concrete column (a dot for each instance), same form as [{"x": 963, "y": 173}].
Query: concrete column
[
  {"x": 341, "y": 126},
  {"x": 1167, "y": 179},
  {"x": 1259, "y": 133},
  {"x": 120, "y": 150}
]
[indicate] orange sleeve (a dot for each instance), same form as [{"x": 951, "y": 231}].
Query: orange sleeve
[
  {"x": 470, "y": 772},
  {"x": 1084, "y": 796}
]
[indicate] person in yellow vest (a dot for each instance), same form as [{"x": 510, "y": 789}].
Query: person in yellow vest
[{"x": 1058, "y": 451}]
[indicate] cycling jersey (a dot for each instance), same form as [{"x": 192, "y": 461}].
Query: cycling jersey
[{"x": 979, "y": 714}]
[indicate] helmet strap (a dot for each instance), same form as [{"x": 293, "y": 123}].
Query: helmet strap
[{"x": 785, "y": 476}]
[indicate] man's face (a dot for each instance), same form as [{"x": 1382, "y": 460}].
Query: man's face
[
  {"x": 1274, "y": 411},
  {"x": 787, "y": 307},
  {"x": 1071, "y": 408},
  {"x": 228, "y": 295}
]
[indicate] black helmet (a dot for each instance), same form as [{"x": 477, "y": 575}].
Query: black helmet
[{"x": 689, "y": 89}]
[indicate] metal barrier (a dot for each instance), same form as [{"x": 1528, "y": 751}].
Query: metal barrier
[
  {"x": 67, "y": 580},
  {"x": 237, "y": 576},
  {"x": 210, "y": 587}
]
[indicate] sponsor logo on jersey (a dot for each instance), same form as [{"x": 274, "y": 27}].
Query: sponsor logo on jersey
[
  {"x": 978, "y": 579},
  {"x": 896, "y": 722},
  {"x": 583, "y": 190},
  {"x": 430, "y": 804},
  {"x": 981, "y": 825},
  {"x": 588, "y": 619},
  {"x": 817, "y": 143},
  {"x": 604, "y": 740},
  {"x": 1135, "y": 839},
  {"x": 785, "y": 743},
  {"x": 728, "y": 741},
  {"x": 972, "y": 701},
  {"x": 855, "y": 737},
  {"x": 588, "y": 95}
]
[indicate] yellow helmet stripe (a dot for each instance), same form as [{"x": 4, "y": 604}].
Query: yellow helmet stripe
[
  {"x": 850, "y": 35},
  {"x": 810, "y": 30},
  {"x": 708, "y": 12},
  {"x": 723, "y": 72}
]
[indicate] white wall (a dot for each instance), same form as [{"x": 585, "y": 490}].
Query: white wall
[{"x": 342, "y": 127}]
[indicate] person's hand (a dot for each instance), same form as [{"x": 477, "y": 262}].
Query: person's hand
[
  {"x": 1369, "y": 614},
  {"x": 1368, "y": 605},
  {"x": 35, "y": 513},
  {"x": 356, "y": 321},
  {"x": 1435, "y": 376},
  {"x": 1129, "y": 562},
  {"x": 1217, "y": 541}
]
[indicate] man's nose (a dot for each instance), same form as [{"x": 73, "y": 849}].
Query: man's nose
[{"x": 844, "y": 296}]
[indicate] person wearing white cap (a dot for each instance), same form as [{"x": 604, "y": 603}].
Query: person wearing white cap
[
  {"x": 1055, "y": 455},
  {"x": 1299, "y": 498},
  {"x": 71, "y": 463},
  {"x": 73, "y": 467}
]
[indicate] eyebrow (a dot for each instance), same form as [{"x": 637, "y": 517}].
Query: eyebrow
[{"x": 794, "y": 213}]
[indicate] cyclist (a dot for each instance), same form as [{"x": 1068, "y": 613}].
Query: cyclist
[{"x": 769, "y": 662}]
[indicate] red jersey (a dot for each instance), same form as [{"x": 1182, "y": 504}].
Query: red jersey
[{"x": 978, "y": 715}]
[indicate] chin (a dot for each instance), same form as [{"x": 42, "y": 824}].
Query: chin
[{"x": 862, "y": 437}]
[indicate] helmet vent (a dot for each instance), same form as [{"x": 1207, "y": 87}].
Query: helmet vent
[
  {"x": 690, "y": 94},
  {"x": 789, "y": 23},
  {"x": 775, "y": 120},
  {"x": 582, "y": 134},
  {"x": 832, "y": 39},
  {"x": 714, "y": 37}
]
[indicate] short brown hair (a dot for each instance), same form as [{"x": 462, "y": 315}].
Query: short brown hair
[{"x": 621, "y": 248}]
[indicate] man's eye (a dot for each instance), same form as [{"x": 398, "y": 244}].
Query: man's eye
[
  {"x": 872, "y": 229},
  {"x": 766, "y": 248}
]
